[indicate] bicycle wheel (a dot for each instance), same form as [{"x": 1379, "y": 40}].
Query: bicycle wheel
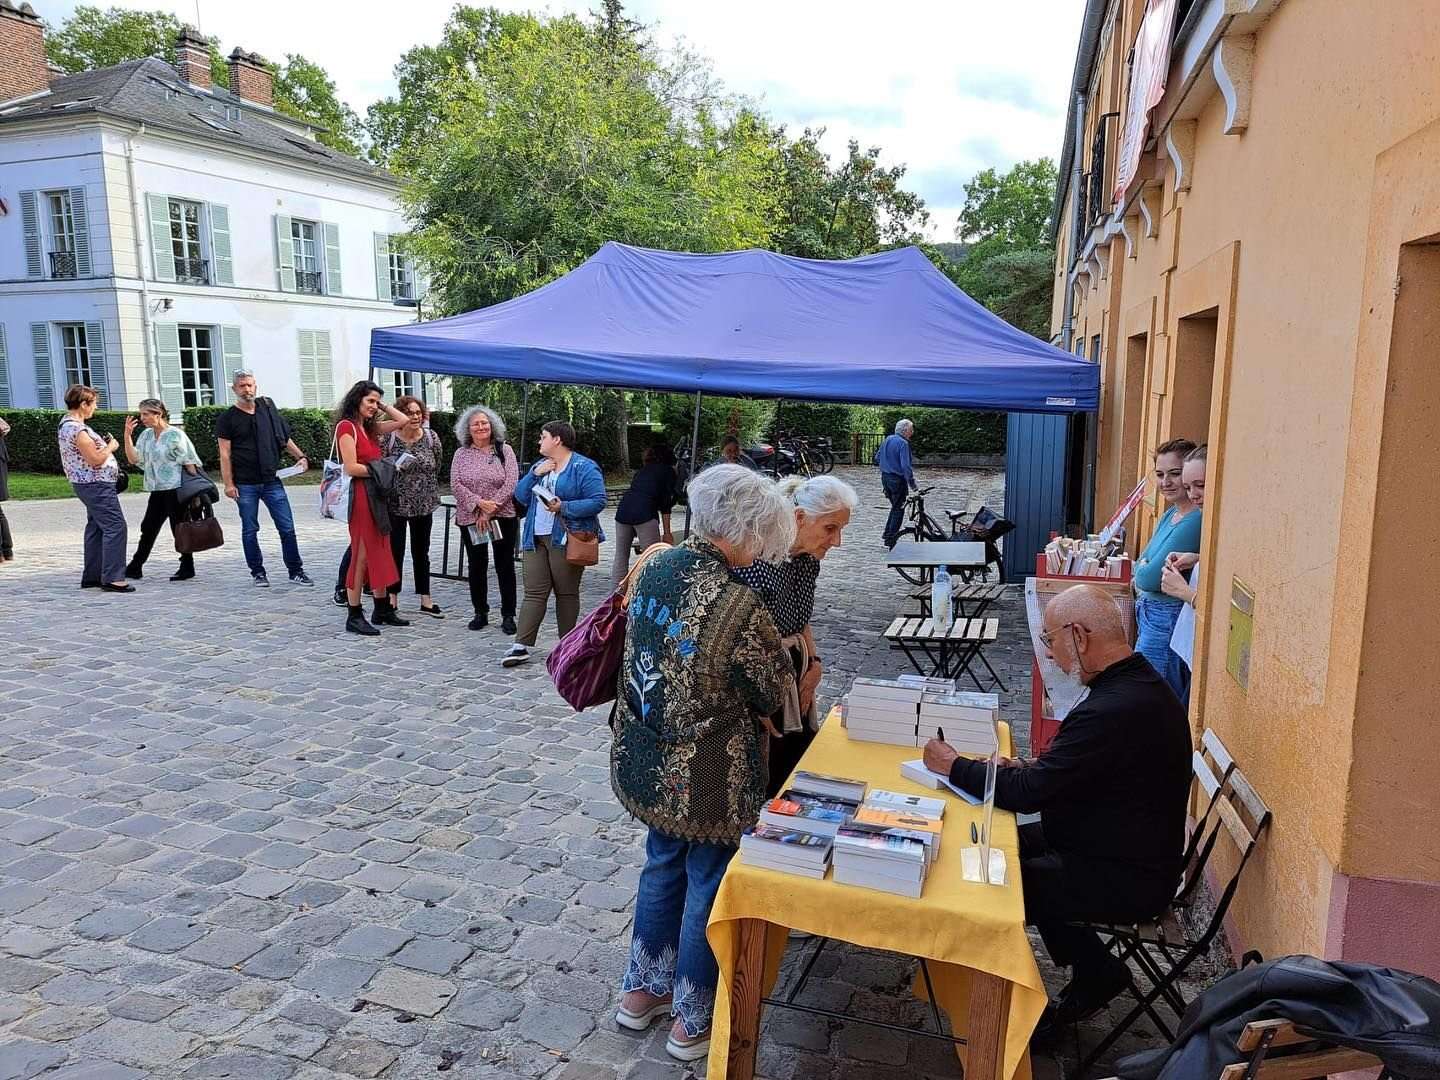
[
  {"x": 915, "y": 575},
  {"x": 824, "y": 460}
]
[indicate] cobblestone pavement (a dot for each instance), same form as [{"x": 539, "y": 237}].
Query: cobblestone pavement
[{"x": 235, "y": 841}]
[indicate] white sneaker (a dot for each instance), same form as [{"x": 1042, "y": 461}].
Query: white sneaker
[
  {"x": 517, "y": 655},
  {"x": 683, "y": 1048},
  {"x": 640, "y": 1021}
]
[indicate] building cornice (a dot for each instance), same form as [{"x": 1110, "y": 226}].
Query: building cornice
[{"x": 230, "y": 293}]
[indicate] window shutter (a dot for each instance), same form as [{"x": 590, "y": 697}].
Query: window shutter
[
  {"x": 30, "y": 228},
  {"x": 284, "y": 254},
  {"x": 80, "y": 216},
  {"x": 382, "y": 266},
  {"x": 5, "y": 401},
  {"x": 231, "y": 361},
  {"x": 332, "y": 258},
  {"x": 309, "y": 379},
  {"x": 324, "y": 371},
  {"x": 99, "y": 374},
  {"x": 160, "y": 248},
  {"x": 381, "y": 378},
  {"x": 223, "y": 263},
  {"x": 44, "y": 373},
  {"x": 167, "y": 358},
  {"x": 422, "y": 280}
]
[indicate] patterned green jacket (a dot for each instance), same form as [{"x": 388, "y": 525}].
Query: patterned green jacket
[{"x": 702, "y": 662}]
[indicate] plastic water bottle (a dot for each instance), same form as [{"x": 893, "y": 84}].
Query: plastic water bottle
[{"x": 940, "y": 600}]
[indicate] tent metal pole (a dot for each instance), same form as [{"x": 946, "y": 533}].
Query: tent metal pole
[
  {"x": 524, "y": 416},
  {"x": 694, "y": 458}
]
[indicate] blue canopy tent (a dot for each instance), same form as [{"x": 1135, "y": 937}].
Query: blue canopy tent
[{"x": 887, "y": 328}]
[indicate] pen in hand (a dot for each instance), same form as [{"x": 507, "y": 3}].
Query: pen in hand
[
  {"x": 940, "y": 733},
  {"x": 974, "y": 834}
]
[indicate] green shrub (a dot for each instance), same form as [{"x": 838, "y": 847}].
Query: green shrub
[
  {"x": 33, "y": 441},
  {"x": 949, "y": 431},
  {"x": 812, "y": 418}
]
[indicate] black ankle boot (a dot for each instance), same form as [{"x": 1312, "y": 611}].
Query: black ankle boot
[
  {"x": 356, "y": 623},
  {"x": 507, "y": 625},
  {"x": 386, "y": 615}
]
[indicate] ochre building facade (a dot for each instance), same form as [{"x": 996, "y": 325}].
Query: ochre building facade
[{"x": 1269, "y": 283}]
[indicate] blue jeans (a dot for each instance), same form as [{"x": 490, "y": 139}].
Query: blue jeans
[
  {"x": 668, "y": 950},
  {"x": 272, "y": 494},
  {"x": 1154, "y": 624},
  {"x": 897, "y": 491}
]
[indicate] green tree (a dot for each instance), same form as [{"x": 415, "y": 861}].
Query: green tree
[
  {"x": 305, "y": 90},
  {"x": 1009, "y": 262},
  {"x": 93, "y": 38}
]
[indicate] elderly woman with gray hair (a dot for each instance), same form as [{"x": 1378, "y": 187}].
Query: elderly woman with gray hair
[
  {"x": 703, "y": 670},
  {"x": 483, "y": 475},
  {"x": 822, "y": 507}
]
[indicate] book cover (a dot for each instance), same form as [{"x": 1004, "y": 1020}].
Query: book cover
[
  {"x": 880, "y": 841},
  {"x": 776, "y": 834},
  {"x": 812, "y": 783},
  {"x": 933, "y": 809},
  {"x": 898, "y": 819}
]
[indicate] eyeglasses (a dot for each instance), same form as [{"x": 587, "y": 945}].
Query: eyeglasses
[{"x": 1047, "y": 637}]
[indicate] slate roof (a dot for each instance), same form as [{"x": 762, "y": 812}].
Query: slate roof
[{"x": 152, "y": 92}]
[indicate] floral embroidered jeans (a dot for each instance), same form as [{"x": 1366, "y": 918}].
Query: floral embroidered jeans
[{"x": 668, "y": 950}]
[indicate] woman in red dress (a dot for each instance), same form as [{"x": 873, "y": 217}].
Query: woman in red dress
[{"x": 371, "y": 562}]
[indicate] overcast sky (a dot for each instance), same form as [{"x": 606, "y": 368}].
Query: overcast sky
[{"x": 945, "y": 87}]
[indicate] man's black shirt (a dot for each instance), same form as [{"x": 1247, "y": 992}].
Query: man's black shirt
[
  {"x": 1114, "y": 783},
  {"x": 256, "y": 440}
]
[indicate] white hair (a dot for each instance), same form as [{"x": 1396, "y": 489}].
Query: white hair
[
  {"x": 819, "y": 495},
  {"x": 743, "y": 508},
  {"x": 902, "y": 426},
  {"x": 462, "y": 425}
]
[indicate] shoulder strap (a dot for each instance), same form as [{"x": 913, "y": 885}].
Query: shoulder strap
[{"x": 645, "y": 556}]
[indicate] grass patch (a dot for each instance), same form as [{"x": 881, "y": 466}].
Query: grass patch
[{"x": 31, "y": 485}]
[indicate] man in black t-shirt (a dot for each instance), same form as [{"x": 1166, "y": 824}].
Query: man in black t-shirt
[
  {"x": 1111, "y": 791},
  {"x": 252, "y": 434}
]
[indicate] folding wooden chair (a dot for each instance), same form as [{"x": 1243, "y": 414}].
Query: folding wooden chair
[
  {"x": 1163, "y": 949},
  {"x": 1300, "y": 1057}
]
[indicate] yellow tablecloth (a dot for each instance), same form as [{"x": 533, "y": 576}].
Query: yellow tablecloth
[{"x": 956, "y": 924}]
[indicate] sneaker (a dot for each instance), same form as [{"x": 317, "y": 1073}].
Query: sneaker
[
  {"x": 684, "y": 1047},
  {"x": 261, "y": 581},
  {"x": 340, "y": 599},
  {"x": 648, "y": 1011},
  {"x": 517, "y": 655},
  {"x": 300, "y": 577}
]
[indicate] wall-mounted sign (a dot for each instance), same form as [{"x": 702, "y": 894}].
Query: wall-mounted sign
[{"x": 1242, "y": 627}]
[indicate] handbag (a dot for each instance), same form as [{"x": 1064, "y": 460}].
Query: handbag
[
  {"x": 334, "y": 485},
  {"x": 585, "y": 663},
  {"x": 582, "y": 548},
  {"x": 122, "y": 481},
  {"x": 198, "y": 529}
]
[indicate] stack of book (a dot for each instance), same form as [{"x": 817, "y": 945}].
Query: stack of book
[
  {"x": 1085, "y": 558},
  {"x": 883, "y": 710},
  {"x": 828, "y": 787},
  {"x": 967, "y": 719},
  {"x": 891, "y": 844},
  {"x": 820, "y": 814},
  {"x": 791, "y": 851}
]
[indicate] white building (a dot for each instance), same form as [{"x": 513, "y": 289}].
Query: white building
[{"x": 158, "y": 232}]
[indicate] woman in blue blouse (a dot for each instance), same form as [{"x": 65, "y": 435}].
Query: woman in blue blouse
[
  {"x": 1177, "y": 530},
  {"x": 579, "y": 490}
]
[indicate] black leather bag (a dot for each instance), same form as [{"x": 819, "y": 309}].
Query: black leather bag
[{"x": 198, "y": 529}]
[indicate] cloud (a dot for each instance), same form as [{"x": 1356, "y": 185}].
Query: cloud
[{"x": 945, "y": 87}]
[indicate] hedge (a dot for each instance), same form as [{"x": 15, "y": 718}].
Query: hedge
[
  {"x": 949, "y": 431},
  {"x": 811, "y": 418},
  {"x": 34, "y": 448}
]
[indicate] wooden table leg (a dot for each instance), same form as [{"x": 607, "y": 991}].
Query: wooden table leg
[
  {"x": 747, "y": 987},
  {"x": 985, "y": 1034}
]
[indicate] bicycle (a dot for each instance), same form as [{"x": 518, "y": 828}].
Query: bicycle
[{"x": 985, "y": 527}]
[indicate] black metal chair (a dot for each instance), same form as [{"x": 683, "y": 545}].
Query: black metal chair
[{"x": 1164, "y": 949}]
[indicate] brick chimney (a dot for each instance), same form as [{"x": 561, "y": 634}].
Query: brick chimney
[
  {"x": 251, "y": 78},
  {"x": 192, "y": 57},
  {"x": 23, "y": 70}
]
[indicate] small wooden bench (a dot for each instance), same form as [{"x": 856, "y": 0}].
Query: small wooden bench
[
  {"x": 970, "y": 601},
  {"x": 948, "y": 654}
]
